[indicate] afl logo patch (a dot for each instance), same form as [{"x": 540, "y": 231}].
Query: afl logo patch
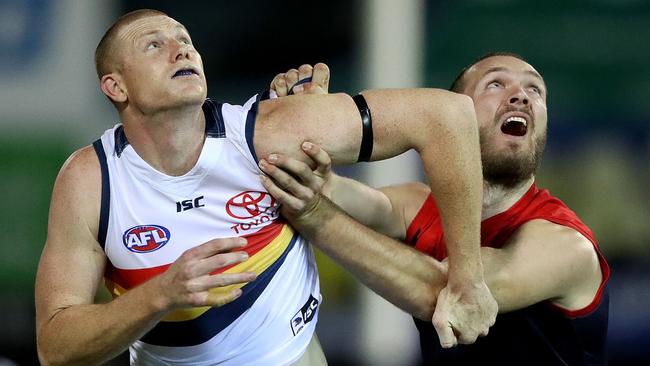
[
  {"x": 146, "y": 238},
  {"x": 249, "y": 204}
]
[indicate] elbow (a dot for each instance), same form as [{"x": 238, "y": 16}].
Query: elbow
[
  {"x": 463, "y": 115},
  {"x": 424, "y": 311},
  {"x": 452, "y": 117},
  {"x": 424, "y": 305},
  {"x": 45, "y": 356},
  {"x": 49, "y": 354}
]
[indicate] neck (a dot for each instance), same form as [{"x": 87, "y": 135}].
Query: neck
[
  {"x": 497, "y": 199},
  {"x": 170, "y": 141}
]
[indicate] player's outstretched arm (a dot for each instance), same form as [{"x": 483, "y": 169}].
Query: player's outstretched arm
[
  {"x": 443, "y": 123},
  {"x": 442, "y": 127},
  {"x": 70, "y": 328}
]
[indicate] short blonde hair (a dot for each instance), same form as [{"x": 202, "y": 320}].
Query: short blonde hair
[{"x": 106, "y": 52}]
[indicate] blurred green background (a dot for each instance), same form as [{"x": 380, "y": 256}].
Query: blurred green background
[{"x": 593, "y": 54}]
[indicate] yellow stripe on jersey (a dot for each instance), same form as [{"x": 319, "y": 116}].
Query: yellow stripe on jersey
[{"x": 258, "y": 263}]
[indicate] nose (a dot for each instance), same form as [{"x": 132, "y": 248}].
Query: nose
[
  {"x": 519, "y": 97},
  {"x": 182, "y": 51}
]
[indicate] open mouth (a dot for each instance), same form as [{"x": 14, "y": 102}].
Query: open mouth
[
  {"x": 184, "y": 72},
  {"x": 515, "y": 126}
]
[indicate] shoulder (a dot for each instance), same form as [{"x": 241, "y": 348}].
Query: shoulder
[
  {"x": 77, "y": 190},
  {"x": 407, "y": 198},
  {"x": 579, "y": 259},
  {"x": 559, "y": 236},
  {"x": 81, "y": 169}
]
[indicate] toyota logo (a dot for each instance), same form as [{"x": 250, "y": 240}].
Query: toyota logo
[{"x": 249, "y": 204}]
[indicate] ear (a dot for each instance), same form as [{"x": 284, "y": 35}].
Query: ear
[{"x": 111, "y": 84}]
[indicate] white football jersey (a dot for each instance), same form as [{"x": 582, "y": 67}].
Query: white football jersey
[{"x": 148, "y": 219}]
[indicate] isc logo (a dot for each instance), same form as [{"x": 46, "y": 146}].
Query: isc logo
[
  {"x": 189, "y": 204},
  {"x": 145, "y": 238},
  {"x": 304, "y": 315}
]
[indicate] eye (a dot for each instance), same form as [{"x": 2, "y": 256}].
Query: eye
[
  {"x": 185, "y": 40},
  {"x": 535, "y": 89},
  {"x": 153, "y": 45},
  {"x": 494, "y": 84}
]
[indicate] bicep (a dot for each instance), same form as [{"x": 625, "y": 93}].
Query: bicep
[
  {"x": 330, "y": 121},
  {"x": 542, "y": 261},
  {"x": 72, "y": 262},
  {"x": 402, "y": 119}
]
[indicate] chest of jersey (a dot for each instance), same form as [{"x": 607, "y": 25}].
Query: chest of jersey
[{"x": 154, "y": 217}]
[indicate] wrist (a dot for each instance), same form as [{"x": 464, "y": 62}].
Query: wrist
[
  {"x": 466, "y": 274},
  {"x": 313, "y": 216},
  {"x": 329, "y": 187},
  {"x": 155, "y": 295}
]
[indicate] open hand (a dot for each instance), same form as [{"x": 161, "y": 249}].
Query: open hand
[{"x": 188, "y": 281}]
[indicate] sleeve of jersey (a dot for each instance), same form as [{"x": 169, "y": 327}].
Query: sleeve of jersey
[{"x": 240, "y": 124}]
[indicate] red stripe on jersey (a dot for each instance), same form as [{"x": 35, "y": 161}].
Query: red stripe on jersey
[{"x": 129, "y": 278}]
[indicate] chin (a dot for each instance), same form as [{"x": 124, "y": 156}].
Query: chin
[{"x": 190, "y": 97}]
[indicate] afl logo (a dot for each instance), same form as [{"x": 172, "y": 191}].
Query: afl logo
[
  {"x": 145, "y": 238},
  {"x": 249, "y": 204}
]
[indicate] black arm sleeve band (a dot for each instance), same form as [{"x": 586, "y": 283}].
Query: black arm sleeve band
[{"x": 365, "y": 152}]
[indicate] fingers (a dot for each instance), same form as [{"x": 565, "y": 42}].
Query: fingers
[
  {"x": 445, "y": 330},
  {"x": 223, "y": 299},
  {"x": 284, "y": 187},
  {"x": 291, "y": 78},
  {"x": 284, "y": 198},
  {"x": 319, "y": 156},
  {"x": 292, "y": 175},
  {"x": 299, "y": 87},
  {"x": 467, "y": 337},
  {"x": 226, "y": 279},
  {"x": 211, "y": 256},
  {"x": 190, "y": 278},
  {"x": 304, "y": 78},
  {"x": 305, "y": 71},
  {"x": 215, "y": 262},
  {"x": 279, "y": 85},
  {"x": 307, "y": 79},
  {"x": 321, "y": 76},
  {"x": 215, "y": 246}
]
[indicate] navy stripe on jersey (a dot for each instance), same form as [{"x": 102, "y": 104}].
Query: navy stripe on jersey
[
  {"x": 121, "y": 142},
  {"x": 214, "y": 126},
  {"x": 264, "y": 95},
  {"x": 250, "y": 128},
  {"x": 106, "y": 194},
  {"x": 207, "y": 325}
]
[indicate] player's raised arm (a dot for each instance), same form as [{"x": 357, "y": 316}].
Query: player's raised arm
[{"x": 441, "y": 126}]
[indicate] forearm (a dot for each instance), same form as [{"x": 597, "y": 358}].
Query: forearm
[
  {"x": 408, "y": 279},
  {"x": 95, "y": 333},
  {"x": 449, "y": 146},
  {"x": 365, "y": 204}
]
